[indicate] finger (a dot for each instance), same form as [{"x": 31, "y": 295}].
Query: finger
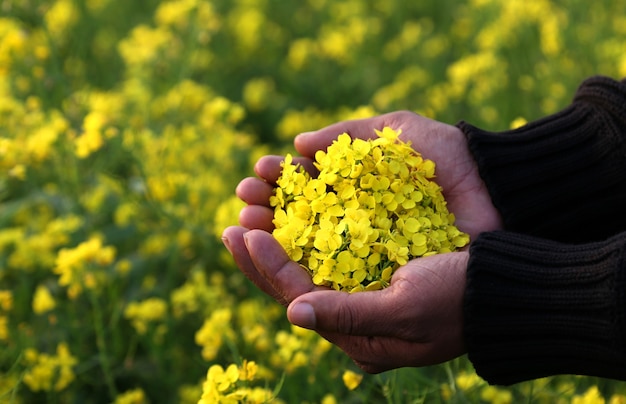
[
  {"x": 358, "y": 314},
  {"x": 408, "y": 122},
  {"x": 232, "y": 238},
  {"x": 309, "y": 143},
  {"x": 269, "y": 167},
  {"x": 255, "y": 191},
  {"x": 378, "y": 354},
  {"x": 287, "y": 277},
  {"x": 257, "y": 217}
]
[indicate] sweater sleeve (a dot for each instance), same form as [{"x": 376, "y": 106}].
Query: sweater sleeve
[
  {"x": 536, "y": 308},
  {"x": 561, "y": 177}
]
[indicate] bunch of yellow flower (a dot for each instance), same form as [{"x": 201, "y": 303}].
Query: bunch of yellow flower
[
  {"x": 49, "y": 372},
  {"x": 372, "y": 208},
  {"x": 232, "y": 385}
]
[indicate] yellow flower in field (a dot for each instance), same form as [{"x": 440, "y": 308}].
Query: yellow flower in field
[
  {"x": 300, "y": 51},
  {"x": 146, "y": 314},
  {"x": 42, "y": 52},
  {"x": 257, "y": 93},
  {"x": 73, "y": 264},
  {"x": 6, "y": 300},
  {"x": 246, "y": 24},
  {"x": 618, "y": 399},
  {"x": 227, "y": 214},
  {"x": 43, "y": 301},
  {"x": 49, "y": 372},
  {"x": 335, "y": 45},
  {"x": 298, "y": 348},
  {"x": 18, "y": 171},
  {"x": 351, "y": 379},
  {"x": 61, "y": 17},
  {"x": 175, "y": 13},
  {"x": 230, "y": 385},
  {"x": 144, "y": 45},
  {"x": 518, "y": 122},
  {"x": 135, "y": 396},
  {"x": 495, "y": 395},
  {"x": 39, "y": 144},
  {"x": 255, "y": 320},
  {"x": 213, "y": 332},
  {"x": 92, "y": 139},
  {"x": 294, "y": 121},
  {"x": 372, "y": 208},
  {"x": 467, "y": 381},
  {"x": 4, "y": 328},
  {"x": 329, "y": 399},
  {"x": 591, "y": 396},
  {"x": 248, "y": 370},
  {"x": 95, "y": 6},
  {"x": 12, "y": 42}
]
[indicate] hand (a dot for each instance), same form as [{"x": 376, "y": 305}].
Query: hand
[
  {"x": 456, "y": 172},
  {"x": 416, "y": 321}
]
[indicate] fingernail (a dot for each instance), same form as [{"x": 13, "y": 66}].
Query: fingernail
[
  {"x": 305, "y": 134},
  {"x": 302, "y": 315},
  {"x": 227, "y": 244},
  {"x": 245, "y": 238}
]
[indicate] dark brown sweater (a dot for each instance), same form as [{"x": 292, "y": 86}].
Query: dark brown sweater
[{"x": 547, "y": 295}]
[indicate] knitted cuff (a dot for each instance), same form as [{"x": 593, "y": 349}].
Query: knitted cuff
[
  {"x": 535, "y": 308},
  {"x": 561, "y": 177}
]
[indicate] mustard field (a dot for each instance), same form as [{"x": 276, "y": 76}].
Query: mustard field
[{"x": 126, "y": 125}]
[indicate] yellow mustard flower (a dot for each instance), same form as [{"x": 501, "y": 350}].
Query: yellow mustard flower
[
  {"x": 43, "y": 301},
  {"x": 297, "y": 349},
  {"x": 61, "y": 17},
  {"x": 18, "y": 171},
  {"x": 4, "y": 328},
  {"x": 351, "y": 379},
  {"x": 518, "y": 122},
  {"x": 591, "y": 396},
  {"x": 91, "y": 140},
  {"x": 147, "y": 313},
  {"x": 73, "y": 265},
  {"x": 134, "y": 396},
  {"x": 6, "y": 300},
  {"x": 495, "y": 395},
  {"x": 373, "y": 207},
  {"x": 144, "y": 44},
  {"x": 49, "y": 372},
  {"x": 213, "y": 332},
  {"x": 329, "y": 399},
  {"x": 618, "y": 399},
  {"x": 230, "y": 385},
  {"x": 175, "y": 13}
]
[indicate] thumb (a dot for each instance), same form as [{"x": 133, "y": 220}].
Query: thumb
[
  {"x": 360, "y": 314},
  {"x": 310, "y": 142}
]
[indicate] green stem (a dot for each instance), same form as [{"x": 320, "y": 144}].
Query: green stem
[{"x": 103, "y": 357}]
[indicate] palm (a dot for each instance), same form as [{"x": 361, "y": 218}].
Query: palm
[
  {"x": 456, "y": 171},
  {"x": 416, "y": 321}
]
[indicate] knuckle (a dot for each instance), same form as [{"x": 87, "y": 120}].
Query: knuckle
[{"x": 346, "y": 318}]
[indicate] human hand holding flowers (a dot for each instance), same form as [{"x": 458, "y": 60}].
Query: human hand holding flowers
[
  {"x": 372, "y": 207},
  {"x": 446, "y": 145},
  {"x": 417, "y": 320}
]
